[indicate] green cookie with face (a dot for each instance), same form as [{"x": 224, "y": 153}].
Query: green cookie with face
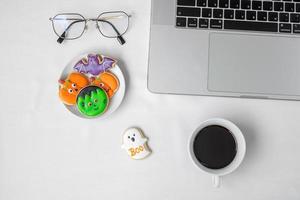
[{"x": 92, "y": 101}]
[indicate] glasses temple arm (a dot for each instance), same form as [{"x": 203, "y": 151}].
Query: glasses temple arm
[
  {"x": 119, "y": 36},
  {"x": 113, "y": 17}
]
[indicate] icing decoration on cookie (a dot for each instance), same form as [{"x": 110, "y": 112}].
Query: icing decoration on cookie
[
  {"x": 108, "y": 81},
  {"x": 94, "y": 64},
  {"x": 92, "y": 101},
  {"x": 135, "y": 144},
  {"x": 70, "y": 87}
]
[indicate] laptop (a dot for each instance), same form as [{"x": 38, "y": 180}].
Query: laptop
[{"x": 233, "y": 48}]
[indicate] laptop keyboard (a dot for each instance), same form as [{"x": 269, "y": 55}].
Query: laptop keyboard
[{"x": 277, "y": 16}]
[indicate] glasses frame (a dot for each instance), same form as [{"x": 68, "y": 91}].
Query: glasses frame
[{"x": 96, "y": 20}]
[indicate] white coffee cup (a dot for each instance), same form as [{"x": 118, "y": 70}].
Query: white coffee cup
[{"x": 240, "y": 149}]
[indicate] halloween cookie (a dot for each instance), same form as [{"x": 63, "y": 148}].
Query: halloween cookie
[
  {"x": 135, "y": 144},
  {"x": 94, "y": 64},
  {"x": 71, "y": 86},
  {"x": 92, "y": 101},
  {"x": 108, "y": 81}
]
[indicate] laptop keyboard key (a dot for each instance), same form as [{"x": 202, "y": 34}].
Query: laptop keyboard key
[
  {"x": 295, "y": 17},
  {"x": 218, "y": 13},
  {"x": 278, "y": 6},
  {"x": 192, "y": 22},
  {"x": 273, "y": 16},
  {"x": 181, "y": 22},
  {"x": 206, "y": 12},
  {"x": 298, "y": 7},
  {"x": 212, "y": 3},
  {"x": 285, "y": 28},
  {"x": 190, "y": 12},
  {"x": 296, "y": 28},
  {"x": 186, "y": 2},
  {"x": 289, "y": 7},
  {"x": 240, "y": 14},
  {"x": 203, "y": 23},
  {"x": 251, "y": 15},
  {"x": 228, "y": 14},
  {"x": 262, "y": 16},
  {"x": 216, "y": 23},
  {"x": 250, "y": 26},
  {"x": 256, "y": 5},
  {"x": 284, "y": 17},
  {"x": 245, "y": 4},
  {"x": 201, "y": 3},
  {"x": 223, "y": 3},
  {"x": 268, "y": 5},
  {"x": 235, "y": 4}
]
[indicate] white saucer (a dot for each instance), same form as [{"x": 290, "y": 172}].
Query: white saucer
[{"x": 114, "y": 102}]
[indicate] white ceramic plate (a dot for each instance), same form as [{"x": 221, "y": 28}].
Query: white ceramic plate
[{"x": 114, "y": 102}]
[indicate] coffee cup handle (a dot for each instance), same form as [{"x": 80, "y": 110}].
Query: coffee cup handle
[{"x": 216, "y": 181}]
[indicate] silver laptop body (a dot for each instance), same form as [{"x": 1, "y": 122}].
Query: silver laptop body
[{"x": 219, "y": 62}]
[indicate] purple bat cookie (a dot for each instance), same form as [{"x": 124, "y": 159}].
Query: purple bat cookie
[{"x": 94, "y": 65}]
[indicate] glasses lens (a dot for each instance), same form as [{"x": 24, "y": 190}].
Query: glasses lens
[
  {"x": 70, "y": 24},
  {"x": 112, "y": 24}
]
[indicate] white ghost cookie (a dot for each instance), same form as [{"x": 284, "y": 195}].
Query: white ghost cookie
[{"x": 135, "y": 143}]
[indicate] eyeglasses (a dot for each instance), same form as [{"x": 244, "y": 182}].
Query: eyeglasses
[{"x": 70, "y": 26}]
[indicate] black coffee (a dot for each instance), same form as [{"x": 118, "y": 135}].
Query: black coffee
[{"x": 214, "y": 147}]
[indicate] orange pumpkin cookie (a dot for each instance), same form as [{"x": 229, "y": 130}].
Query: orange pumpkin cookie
[
  {"x": 108, "y": 81},
  {"x": 71, "y": 86}
]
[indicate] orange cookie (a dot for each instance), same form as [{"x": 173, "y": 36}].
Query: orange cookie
[
  {"x": 108, "y": 81},
  {"x": 70, "y": 87}
]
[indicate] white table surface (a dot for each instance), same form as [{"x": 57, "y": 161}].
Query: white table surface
[{"x": 47, "y": 153}]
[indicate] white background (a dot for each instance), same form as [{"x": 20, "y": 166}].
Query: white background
[{"x": 46, "y": 153}]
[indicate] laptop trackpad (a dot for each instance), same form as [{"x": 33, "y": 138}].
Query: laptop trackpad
[{"x": 254, "y": 64}]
